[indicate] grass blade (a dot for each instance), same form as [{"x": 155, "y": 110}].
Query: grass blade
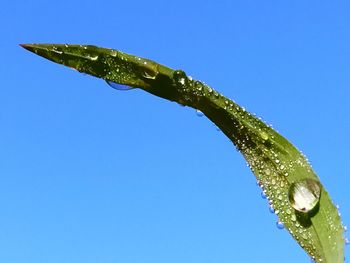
[{"x": 293, "y": 189}]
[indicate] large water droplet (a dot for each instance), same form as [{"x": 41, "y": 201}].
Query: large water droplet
[
  {"x": 304, "y": 195},
  {"x": 118, "y": 86}
]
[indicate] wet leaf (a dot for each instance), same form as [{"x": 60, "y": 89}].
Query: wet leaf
[{"x": 294, "y": 191}]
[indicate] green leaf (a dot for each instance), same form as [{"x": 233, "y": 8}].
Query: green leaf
[{"x": 293, "y": 189}]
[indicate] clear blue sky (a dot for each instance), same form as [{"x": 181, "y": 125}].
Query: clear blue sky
[{"x": 89, "y": 174}]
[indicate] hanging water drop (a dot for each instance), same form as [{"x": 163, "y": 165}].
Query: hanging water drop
[
  {"x": 347, "y": 241},
  {"x": 263, "y": 195},
  {"x": 199, "y": 113},
  {"x": 118, "y": 86},
  {"x": 279, "y": 225},
  {"x": 304, "y": 195}
]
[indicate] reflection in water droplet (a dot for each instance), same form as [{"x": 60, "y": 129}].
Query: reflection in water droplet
[
  {"x": 279, "y": 225},
  {"x": 149, "y": 74},
  {"x": 58, "y": 52},
  {"x": 304, "y": 195},
  {"x": 199, "y": 113},
  {"x": 182, "y": 81},
  {"x": 93, "y": 58},
  {"x": 263, "y": 195},
  {"x": 118, "y": 86},
  {"x": 271, "y": 209}
]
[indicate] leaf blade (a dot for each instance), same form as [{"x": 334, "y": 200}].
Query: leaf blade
[{"x": 275, "y": 162}]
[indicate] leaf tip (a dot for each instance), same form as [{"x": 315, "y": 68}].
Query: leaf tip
[{"x": 27, "y": 47}]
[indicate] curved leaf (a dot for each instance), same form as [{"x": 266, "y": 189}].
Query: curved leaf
[{"x": 293, "y": 189}]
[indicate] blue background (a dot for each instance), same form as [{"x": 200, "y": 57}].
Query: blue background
[{"x": 90, "y": 174}]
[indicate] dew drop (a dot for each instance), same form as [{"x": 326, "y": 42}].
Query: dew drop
[
  {"x": 271, "y": 209},
  {"x": 347, "y": 241},
  {"x": 114, "y": 53},
  {"x": 304, "y": 195},
  {"x": 59, "y": 52},
  {"x": 93, "y": 58},
  {"x": 118, "y": 86},
  {"x": 264, "y": 135},
  {"x": 293, "y": 218},
  {"x": 279, "y": 225},
  {"x": 199, "y": 113},
  {"x": 180, "y": 77},
  {"x": 263, "y": 195}
]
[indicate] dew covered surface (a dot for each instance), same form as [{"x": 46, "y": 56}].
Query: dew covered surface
[
  {"x": 109, "y": 64},
  {"x": 294, "y": 192}
]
